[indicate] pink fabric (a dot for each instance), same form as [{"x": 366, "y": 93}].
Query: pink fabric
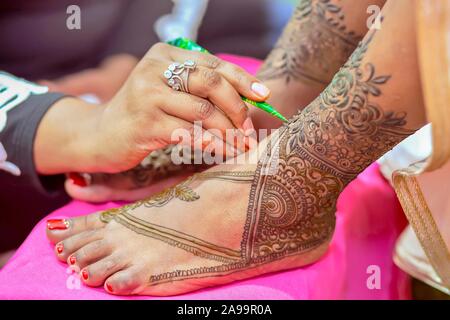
[{"x": 369, "y": 219}]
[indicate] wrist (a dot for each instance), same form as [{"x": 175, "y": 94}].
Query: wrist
[{"x": 67, "y": 137}]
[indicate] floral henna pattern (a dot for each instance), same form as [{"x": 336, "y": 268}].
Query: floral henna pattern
[
  {"x": 314, "y": 44},
  {"x": 343, "y": 127},
  {"x": 318, "y": 152}
]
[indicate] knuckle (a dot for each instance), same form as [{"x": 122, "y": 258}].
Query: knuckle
[
  {"x": 158, "y": 47},
  {"x": 150, "y": 63},
  {"x": 81, "y": 254},
  {"x": 213, "y": 62},
  {"x": 156, "y": 117},
  {"x": 211, "y": 78},
  {"x": 239, "y": 76},
  {"x": 203, "y": 109},
  {"x": 240, "y": 111},
  {"x": 99, "y": 244},
  {"x": 111, "y": 263}
]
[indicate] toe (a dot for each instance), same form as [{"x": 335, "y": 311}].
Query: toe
[
  {"x": 125, "y": 282},
  {"x": 90, "y": 253},
  {"x": 60, "y": 229},
  {"x": 95, "y": 274},
  {"x": 94, "y": 193},
  {"x": 67, "y": 247}
]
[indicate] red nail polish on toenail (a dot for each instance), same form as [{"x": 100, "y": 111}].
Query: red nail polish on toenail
[
  {"x": 84, "y": 274},
  {"x": 109, "y": 287},
  {"x": 72, "y": 260},
  {"x": 57, "y": 224},
  {"x": 59, "y": 248},
  {"x": 78, "y": 179}
]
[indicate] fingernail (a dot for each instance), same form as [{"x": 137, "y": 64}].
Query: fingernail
[
  {"x": 261, "y": 90},
  {"x": 248, "y": 127},
  {"x": 109, "y": 287},
  {"x": 78, "y": 179},
  {"x": 59, "y": 248},
  {"x": 72, "y": 260},
  {"x": 57, "y": 224},
  {"x": 84, "y": 274}
]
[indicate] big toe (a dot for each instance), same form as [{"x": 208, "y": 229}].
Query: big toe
[
  {"x": 127, "y": 282},
  {"x": 60, "y": 229}
]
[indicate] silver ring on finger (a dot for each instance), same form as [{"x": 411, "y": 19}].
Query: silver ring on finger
[{"x": 177, "y": 75}]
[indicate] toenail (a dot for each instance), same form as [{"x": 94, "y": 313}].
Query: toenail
[
  {"x": 85, "y": 274},
  {"x": 57, "y": 224},
  {"x": 81, "y": 180},
  {"x": 72, "y": 260},
  {"x": 59, "y": 248},
  {"x": 109, "y": 287}
]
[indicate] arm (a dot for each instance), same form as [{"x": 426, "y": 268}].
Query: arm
[{"x": 319, "y": 38}]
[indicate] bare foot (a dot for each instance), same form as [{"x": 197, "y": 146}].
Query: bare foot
[{"x": 228, "y": 223}]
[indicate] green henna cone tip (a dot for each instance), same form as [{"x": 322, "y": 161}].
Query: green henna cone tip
[
  {"x": 187, "y": 44},
  {"x": 265, "y": 107}
]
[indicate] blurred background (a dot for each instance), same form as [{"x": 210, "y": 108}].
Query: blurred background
[{"x": 36, "y": 44}]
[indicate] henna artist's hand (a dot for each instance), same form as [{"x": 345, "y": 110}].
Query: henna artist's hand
[{"x": 143, "y": 115}]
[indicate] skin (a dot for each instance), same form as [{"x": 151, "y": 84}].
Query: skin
[
  {"x": 306, "y": 57},
  {"x": 259, "y": 222},
  {"x": 141, "y": 117}
]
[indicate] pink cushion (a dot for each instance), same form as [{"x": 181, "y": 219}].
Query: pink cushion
[{"x": 369, "y": 219}]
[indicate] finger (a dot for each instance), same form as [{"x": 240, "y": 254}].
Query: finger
[
  {"x": 207, "y": 83},
  {"x": 192, "y": 108},
  {"x": 179, "y": 131},
  {"x": 246, "y": 84}
]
